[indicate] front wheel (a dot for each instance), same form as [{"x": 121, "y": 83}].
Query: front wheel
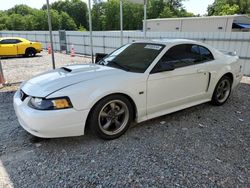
[
  {"x": 30, "y": 52},
  {"x": 222, "y": 91},
  {"x": 111, "y": 117}
]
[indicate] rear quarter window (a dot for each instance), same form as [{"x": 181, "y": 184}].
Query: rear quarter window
[{"x": 206, "y": 54}]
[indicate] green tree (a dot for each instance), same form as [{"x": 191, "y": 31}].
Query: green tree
[
  {"x": 229, "y": 7},
  {"x": 167, "y": 13},
  {"x": 29, "y": 22},
  {"x": 133, "y": 16},
  {"x": 41, "y": 20},
  {"x": 106, "y": 14},
  {"x": 16, "y": 22},
  {"x": 98, "y": 15},
  {"x": 72, "y": 15},
  {"x": 183, "y": 13},
  {"x": 156, "y": 7},
  {"x": 76, "y": 9},
  {"x": 112, "y": 15},
  {"x": 3, "y": 20},
  {"x": 66, "y": 22},
  {"x": 81, "y": 28},
  {"x": 20, "y": 9}
]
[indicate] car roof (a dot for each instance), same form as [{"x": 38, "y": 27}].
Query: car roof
[
  {"x": 19, "y": 38},
  {"x": 170, "y": 42},
  {"x": 167, "y": 41}
]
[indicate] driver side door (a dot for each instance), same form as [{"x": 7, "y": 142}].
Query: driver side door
[
  {"x": 167, "y": 91},
  {"x": 8, "y": 47}
]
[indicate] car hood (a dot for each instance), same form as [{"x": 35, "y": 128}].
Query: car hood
[{"x": 49, "y": 82}]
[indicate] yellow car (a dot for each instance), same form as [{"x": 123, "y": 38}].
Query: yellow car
[{"x": 14, "y": 46}]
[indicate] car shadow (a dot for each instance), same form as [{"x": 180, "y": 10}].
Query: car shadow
[{"x": 18, "y": 57}]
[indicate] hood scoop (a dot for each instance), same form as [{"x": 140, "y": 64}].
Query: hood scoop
[
  {"x": 80, "y": 68},
  {"x": 66, "y": 69}
]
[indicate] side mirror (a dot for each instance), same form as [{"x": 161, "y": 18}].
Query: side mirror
[
  {"x": 99, "y": 56},
  {"x": 163, "y": 66}
]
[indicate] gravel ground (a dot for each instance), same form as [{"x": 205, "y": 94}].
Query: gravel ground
[
  {"x": 18, "y": 69},
  {"x": 203, "y": 146}
]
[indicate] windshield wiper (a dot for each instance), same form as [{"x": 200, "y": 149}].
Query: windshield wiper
[{"x": 119, "y": 65}]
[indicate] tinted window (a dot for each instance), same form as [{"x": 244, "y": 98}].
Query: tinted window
[
  {"x": 182, "y": 55},
  {"x": 6, "y": 41},
  {"x": 10, "y": 41},
  {"x": 206, "y": 54},
  {"x": 134, "y": 57},
  {"x": 186, "y": 54}
]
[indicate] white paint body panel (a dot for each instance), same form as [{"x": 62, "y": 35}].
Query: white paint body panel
[{"x": 163, "y": 93}]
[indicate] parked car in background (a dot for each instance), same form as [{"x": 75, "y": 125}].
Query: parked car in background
[
  {"x": 15, "y": 46},
  {"x": 137, "y": 82}
]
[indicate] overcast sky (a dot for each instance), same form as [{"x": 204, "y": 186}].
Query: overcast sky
[{"x": 194, "y": 6}]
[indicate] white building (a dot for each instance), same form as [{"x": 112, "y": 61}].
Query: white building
[{"x": 200, "y": 24}]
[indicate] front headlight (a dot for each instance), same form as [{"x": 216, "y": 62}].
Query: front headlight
[{"x": 50, "y": 104}]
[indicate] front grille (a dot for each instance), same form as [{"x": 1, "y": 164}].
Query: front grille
[{"x": 23, "y": 95}]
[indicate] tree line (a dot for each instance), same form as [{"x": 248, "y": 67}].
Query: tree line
[
  {"x": 229, "y": 7},
  {"x": 73, "y": 14}
]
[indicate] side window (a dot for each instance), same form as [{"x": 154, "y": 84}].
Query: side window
[
  {"x": 5, "y": 41},
  {"x": 182, "y": 55},
  {"x": 10, "y": 41},
  {"x": 17, "y": 41},
  {"x": 13, "y": 41},
  {"x": 206, "y": 54}
]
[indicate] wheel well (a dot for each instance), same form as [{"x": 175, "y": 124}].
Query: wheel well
[
  {"x": 128, "y": 97},
  {"x": 29, "y": 48},
  {"x": 229, "y": 75}
]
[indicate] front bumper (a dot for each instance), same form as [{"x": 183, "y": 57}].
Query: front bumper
[
  {"x": 39, "y": 50},
  {"x": 49, "y": 124}
]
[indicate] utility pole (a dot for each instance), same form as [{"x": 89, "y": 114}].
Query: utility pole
[
  {"x": 51, "y": 36},
  {"x": 90, "y": 32},
  {"x": 121, "y": 20},
  {"x": 145, "y": 19}
]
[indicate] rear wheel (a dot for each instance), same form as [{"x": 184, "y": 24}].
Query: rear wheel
[
  {"x": 111, "y": 117},
  {"x": 222, "y": 91},
  {"x": 30, "y": 52}
]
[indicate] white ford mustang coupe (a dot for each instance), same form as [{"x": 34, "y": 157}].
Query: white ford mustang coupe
[{"x": 137, "y": 82}]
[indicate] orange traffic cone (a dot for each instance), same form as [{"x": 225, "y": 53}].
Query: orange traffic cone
[
  {"x": 2, "y": 80},
  {"x": 49, "y": 50},
  {"x": 72, "y": 51}
]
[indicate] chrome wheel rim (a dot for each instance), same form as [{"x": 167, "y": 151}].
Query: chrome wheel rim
[
  {"x": 113, "y": 117},
  {"x": 223, "y": 90}
]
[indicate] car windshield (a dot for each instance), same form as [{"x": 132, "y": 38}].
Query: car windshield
[{"x": 135, "y": 57}]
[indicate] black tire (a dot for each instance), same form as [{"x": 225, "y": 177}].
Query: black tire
[
  {"x": 104, "y": 113},
  {"x": 222, "y": 91},
  {"x": 30, "y": 52}
]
